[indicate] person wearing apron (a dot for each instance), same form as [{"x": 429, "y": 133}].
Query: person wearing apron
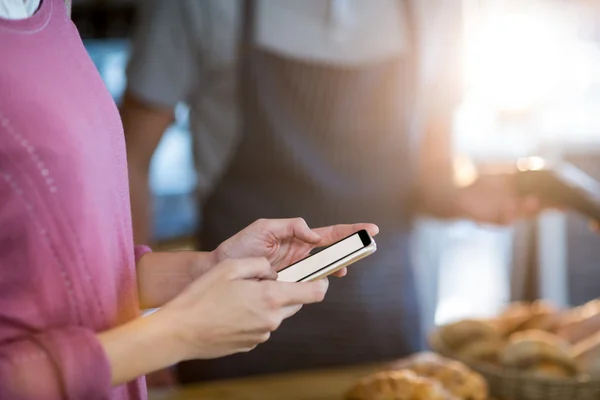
[
  {"x": 330, "y": 139},
  {"x": 328, "y": 143}
]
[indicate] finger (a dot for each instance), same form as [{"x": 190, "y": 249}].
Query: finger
[
  {"x": 289, "y": 311},
  {"x": 296, "y": 293},
  {"x": 341, "y": 273},
  {"x": 334, "y": 233},
  {"x": 293, "y": 227},
  {"x": 250, "y": 268}
]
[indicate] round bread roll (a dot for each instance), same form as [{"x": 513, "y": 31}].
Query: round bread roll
[
  {"x": 528, "y": 349},
  {"x": 397, "y": 385},
  {"x": 458, "y": 334},
  {"x": 542, "y": 336},
  {"x": 454, "y": 376},
  {"x": 487, "y": 350}
]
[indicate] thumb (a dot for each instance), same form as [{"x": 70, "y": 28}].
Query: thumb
[{"x": 251, "y": 268}]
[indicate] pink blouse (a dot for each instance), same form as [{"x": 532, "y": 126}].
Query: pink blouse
[{"x": 67, "y": 265}]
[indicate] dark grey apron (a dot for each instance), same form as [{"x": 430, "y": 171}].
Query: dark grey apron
[{"x": 330, "y": 144}]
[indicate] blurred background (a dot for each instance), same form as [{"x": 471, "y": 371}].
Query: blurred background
[{"x": 532, "y": 72}]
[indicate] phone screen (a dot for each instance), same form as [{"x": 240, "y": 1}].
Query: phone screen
[{"x": 325, "y": 257}]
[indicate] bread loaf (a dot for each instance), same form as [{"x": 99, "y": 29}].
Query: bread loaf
[
  {"x": 458, "y": 334},
  {"x": 454, "y": 376},
  {"x": 539, "y": 353},
  {"x": 397, "y": 385}
]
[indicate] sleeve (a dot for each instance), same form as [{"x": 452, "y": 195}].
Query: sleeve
[
  {"x": 440, "y": 25},
  {"x": 67, "y": 363},
  {"x": 139, "y": 251},
  {"x": 37, "y": 360},
  {"x": 164, "y": 60}
]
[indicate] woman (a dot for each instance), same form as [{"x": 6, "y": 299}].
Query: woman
[{"x": 71, "y": 286}]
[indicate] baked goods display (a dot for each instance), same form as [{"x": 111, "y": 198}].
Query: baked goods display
[
  {"x": 455, "y": 377},
  {"x": 536, "y": 339},
  {"x": 398, "y": 385},
  {"x": 539, "y": 353},
  {"x": 424, "y": 376},
  {"x": 530, "y": 351}
]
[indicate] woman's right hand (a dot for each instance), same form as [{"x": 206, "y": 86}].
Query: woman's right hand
[{"x": 234, "y": 307}]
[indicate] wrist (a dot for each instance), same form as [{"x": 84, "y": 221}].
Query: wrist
[
  {"x": 202, "y": 262},
  {"x": 141, "y": 346},
  {"x": 163, "y": 331}
]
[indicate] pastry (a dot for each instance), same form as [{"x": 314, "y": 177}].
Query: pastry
[
  {"x": 587, "y": 355},
  {"x": 454, "y": 376},
  {"x": 482, "y": 350},
  {"x": 527, "y": 349},
  {"x": 581, "y": 312},
  {"x": 397, "y": 385},
  {"x": 524, "y": 316},
  {"x": 513, "y": 316},
  {"x": 460, "y": 333},
  {"x": 584, "y": 323}
]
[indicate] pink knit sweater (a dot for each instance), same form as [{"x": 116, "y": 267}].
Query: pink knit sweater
[{"x": 67, "y": 265}]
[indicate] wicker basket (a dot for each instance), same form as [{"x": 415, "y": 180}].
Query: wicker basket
[{"x": 510, "y": 384}]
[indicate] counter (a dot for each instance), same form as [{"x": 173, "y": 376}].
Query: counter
[{"x": 313, "y": 385}]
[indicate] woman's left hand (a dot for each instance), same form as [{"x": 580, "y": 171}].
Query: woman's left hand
[{"x": 284, "y": 241}]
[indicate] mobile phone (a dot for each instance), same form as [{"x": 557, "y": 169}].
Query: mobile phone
[{"x": 330, "y": 259}]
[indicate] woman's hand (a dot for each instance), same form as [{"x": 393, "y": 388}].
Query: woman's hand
[
  {"x": 284, "y": 241},
  {"x": 234, "y": 307},
  {"x": 161, "y": 276}
]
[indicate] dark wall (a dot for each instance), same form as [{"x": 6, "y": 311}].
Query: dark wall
[{"x": 100, "y": 19}]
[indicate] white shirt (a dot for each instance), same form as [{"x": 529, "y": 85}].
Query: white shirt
[{"x": 18, "y": 9}]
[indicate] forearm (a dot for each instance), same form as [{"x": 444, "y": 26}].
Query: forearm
[
  {"x": 162, "y": 276},
  {"x": 440, "y": 94},
  {"x": 141, "y": 204},
  {"x": 435, "y": 190},
  {"x": 139, "y": 347},
  {"x": 144, "y": 126},
  {"x": 438, "y": 200}
]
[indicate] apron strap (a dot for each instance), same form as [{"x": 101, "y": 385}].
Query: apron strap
[
  {"x": 412, "y": 33},
  {"x": 246, "y": 41},
  {"x": 245, "y": 47}
]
